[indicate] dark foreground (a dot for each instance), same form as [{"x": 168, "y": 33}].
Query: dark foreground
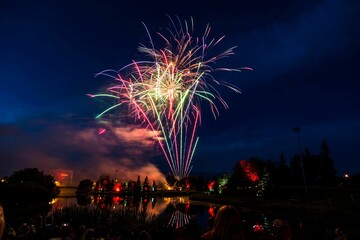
[{"x": 297, "y": 218}]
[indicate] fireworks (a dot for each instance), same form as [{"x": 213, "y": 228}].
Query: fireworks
[{"x": 165, "y": 91}]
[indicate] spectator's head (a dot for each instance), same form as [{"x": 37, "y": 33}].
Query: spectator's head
[
  {"x": 144, "y": 235},
  {"x": 2, "y": 221},
  {"x": 49, "y": 220},
  {"x": 340, "y": 234},
  {"x": 228, "y": 223},
  {"x": 23, "y": 230}
]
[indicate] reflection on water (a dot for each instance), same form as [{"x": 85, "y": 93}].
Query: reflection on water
[
  {"x": 178, "y": 210},
  {"x": 64, "y": 202},
  {"x": 179, "y": 219}
]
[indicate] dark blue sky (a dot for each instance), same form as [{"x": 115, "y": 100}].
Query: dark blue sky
[{"x": 305, "y": 56}]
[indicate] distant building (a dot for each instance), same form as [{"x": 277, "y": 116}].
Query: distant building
[{"x": 63, "y": 177}]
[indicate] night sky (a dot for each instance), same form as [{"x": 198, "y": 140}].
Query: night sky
[{"x": 305, "y": 56}]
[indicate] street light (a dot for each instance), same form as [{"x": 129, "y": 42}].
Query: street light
[{"x": 297, "y": 131}]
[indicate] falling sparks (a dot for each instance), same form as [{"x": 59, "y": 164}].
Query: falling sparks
[{"x": 101, "y": 131}]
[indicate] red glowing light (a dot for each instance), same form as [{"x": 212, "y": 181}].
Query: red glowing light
[
  {"x": 187, "y": 184},
  {"x": 211, "y": 212},
  {"x": 211, "y": 185},
  {"x": 257, "y": 228},
  {"x": 117, "y": 187},
  {"x": 117, "y": 199},
  {"x": 249, "y": 170},
  {"x": 187, "y": 207}
]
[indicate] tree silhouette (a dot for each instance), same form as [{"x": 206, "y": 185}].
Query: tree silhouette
[
  {"x": 32, "y": 175},
  {"x": 137, "y": 187},
  {"x": 311, "y": 167},
  {"x": 281, "y": 176},
  {"x": 146, "y": 185},
  {"x": 154, "y": 187},
  {"x": 28, "y": 191},
  {"x": 85, "y": 185},
  {"x": 104, "y": 183},
  {"x": 36, "y": 178},
  {"x": 327, "y": 172}
]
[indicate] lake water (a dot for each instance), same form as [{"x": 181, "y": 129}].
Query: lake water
[{"x": 180, "y": 209}]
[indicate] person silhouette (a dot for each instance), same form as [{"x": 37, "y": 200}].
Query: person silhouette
[
  {"x": 2, "y": 221},
  {"x": 228, "y": 225}
]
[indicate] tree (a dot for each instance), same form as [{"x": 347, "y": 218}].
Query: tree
[
  {"x": 327, "y": 172},
  {"x": 281, "y": 172},
  {"x": 216, "y": 185},
  {"x": 223, "y": 181},
  {"x": 137, "y": 188},
  {"x": 263, "y": 183},
  {"x": 32, "y": 175},
  {"x": 196, "y": 182},
  {"x": 154, "y": 187},
  {"x": 243, "y": 176},
  {"x": 295, "y": 170},
  {"x": 35, "y": 178},
  {"x": 28, "y": 191},
  {"x": 104, "y": 183},
  {"x": 170, "y": 179},
  {"x": 355, "y": 180},
  {"x": 311, "y": 167},
  {"x": 146, "y": 185},
  {"x": 85, "y": 185}
]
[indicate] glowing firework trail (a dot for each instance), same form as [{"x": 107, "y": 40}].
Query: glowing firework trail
[{"x": 164, "y": 93}]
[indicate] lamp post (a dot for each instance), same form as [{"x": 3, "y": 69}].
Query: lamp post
[{"x": 297, "y": 131}]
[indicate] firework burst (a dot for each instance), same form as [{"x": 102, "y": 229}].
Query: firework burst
[{"x": 164, "y": 92}]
